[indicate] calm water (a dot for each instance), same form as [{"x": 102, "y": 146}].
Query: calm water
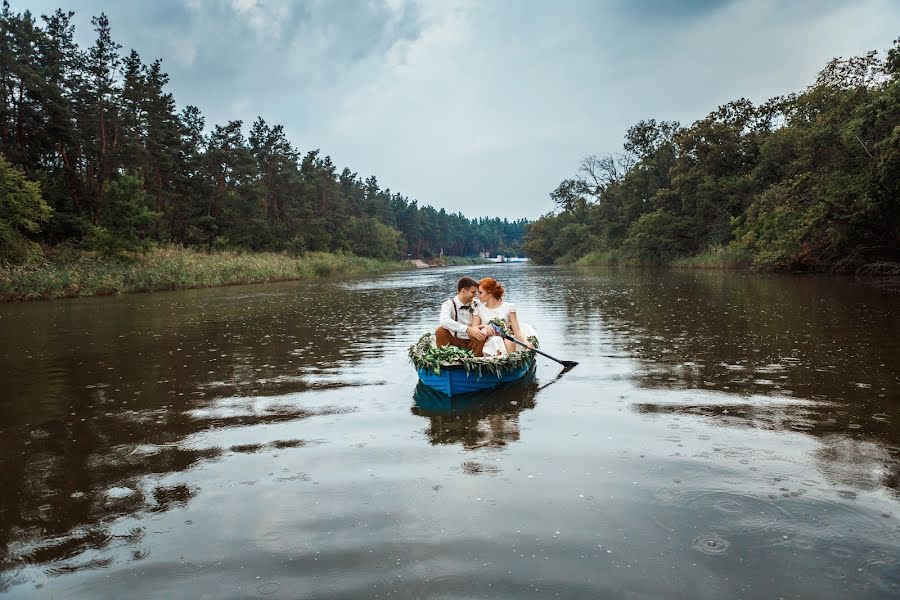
[{"x": 725, "y": 435}]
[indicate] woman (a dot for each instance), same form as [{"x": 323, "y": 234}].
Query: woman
[{"x": 491, "y": 306}]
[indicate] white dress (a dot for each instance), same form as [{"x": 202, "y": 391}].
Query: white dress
[{"x": 495, "y": 343}]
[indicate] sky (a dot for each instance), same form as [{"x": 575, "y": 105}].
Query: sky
[{"x": 479, "y": 107}]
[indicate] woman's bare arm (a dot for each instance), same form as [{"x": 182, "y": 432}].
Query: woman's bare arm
[{"x": 517, "y": 331}]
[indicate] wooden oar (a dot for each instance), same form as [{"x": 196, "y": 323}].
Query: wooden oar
[{"x": 568, "y": 364}]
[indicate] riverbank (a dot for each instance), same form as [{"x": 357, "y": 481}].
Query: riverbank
[
  {"x": 68, "y": 274},
  {"x": 447, "y": 261},
  {"x": 458, "y": 261},
  {"x": 715, "y": 258},
  {"x": 882, "y": 275},
  {"x": 885, "y": 275}
]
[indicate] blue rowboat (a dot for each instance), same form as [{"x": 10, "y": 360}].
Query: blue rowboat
[
  {"x": 454, "y": 380},
  {"x": 519, "y": 394}
]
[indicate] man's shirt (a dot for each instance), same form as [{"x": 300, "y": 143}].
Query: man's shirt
[{"x": 456, "y": 317}]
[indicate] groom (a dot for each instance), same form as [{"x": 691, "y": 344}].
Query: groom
[{"x": 456, "y": 319}]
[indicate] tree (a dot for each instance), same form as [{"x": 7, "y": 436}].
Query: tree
[
  {"x": 656, "y": 237},
  {"x": 804, "y": 181},
  {"x": 98, "y": 118},
  {"x": 368, "y": 236},
  {"x": 22, "y": 210},
  {"x": 126, "y": 218},
  {"x": 91, "y": 125},
  {"x": 230, "y": 167}
]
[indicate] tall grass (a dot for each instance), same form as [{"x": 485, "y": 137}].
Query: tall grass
[
  {"x": 718, "y": 257},
  {"x": 601, "y": 258},
  {"x": 85, "y": 274},
  {"x": 455, "y": 261}
]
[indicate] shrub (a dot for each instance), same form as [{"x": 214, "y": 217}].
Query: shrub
[{"x": 22, "y": 210}]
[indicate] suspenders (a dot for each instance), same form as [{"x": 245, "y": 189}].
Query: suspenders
[{"x": 456, "y": 314}]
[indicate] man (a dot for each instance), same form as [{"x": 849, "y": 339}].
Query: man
[{"x": 456, "y": 319}]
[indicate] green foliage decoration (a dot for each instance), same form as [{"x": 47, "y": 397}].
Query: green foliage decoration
[{"x": 424, "y": 355}]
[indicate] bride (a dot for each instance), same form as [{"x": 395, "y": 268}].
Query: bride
[{"x": 491, "y": 306}]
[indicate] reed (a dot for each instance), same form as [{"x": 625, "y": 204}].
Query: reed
[
  {"x": 719, "y": 257},
  {"x": 69, "y": 274},
  {"x": 601, "y": 258},
  {"x": 458, "y": 261}
]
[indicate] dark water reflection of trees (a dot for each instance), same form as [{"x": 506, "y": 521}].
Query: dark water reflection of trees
[
  {"x": 814, "y": 355},
  {"x": 105, "y": 397}
]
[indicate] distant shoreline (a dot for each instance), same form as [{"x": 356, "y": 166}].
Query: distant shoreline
[{"x": 86, "y": 274}]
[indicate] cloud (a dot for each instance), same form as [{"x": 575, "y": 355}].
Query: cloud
[
  {"x": 667, "y": 12},
  {"x": 481, "y": 107}
]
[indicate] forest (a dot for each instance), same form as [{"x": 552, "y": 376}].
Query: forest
[
  {"x": 804, "y": 182},
  {"x": 96, "y": 157}
]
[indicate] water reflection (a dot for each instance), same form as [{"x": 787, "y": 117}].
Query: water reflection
[
  {"x": 260, "y": 440},
  {"x": 860, "y": 461},
  {"x": 802, "y": 354},
  {"x": 109, "y": 399},
  {"x": 487, "y": 419},
  {"x": 76, "y": 477},
  {"x": 154, "y": 350},
  {"x": 747, "y": 333}
]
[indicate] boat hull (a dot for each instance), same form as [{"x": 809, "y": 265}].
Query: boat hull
[
  {"x": 514, "y": 397},
  {"x": 455, "y": 381}
]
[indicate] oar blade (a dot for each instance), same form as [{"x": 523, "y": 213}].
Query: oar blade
[{"x": 568, "y": 365}]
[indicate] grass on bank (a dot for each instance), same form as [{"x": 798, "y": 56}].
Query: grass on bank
[
  {"x": 720, "y": 257},
  {"x": 457, "y": 261},
  {"x": 604, "y": 258},
  {"x": 71, "y": 274}
]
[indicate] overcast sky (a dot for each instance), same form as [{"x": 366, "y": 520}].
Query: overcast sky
[{"x": 479, "y": 107}]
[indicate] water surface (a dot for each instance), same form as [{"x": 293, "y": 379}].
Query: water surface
[{"x": 725, "y": 435}]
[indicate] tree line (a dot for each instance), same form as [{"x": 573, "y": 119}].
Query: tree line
[
  {"x": 807, "y": 181},
  {"x": 95, "y": 154}
]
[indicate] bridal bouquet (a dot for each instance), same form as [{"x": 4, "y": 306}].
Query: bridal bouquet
[{"x": 500, "y": 326}]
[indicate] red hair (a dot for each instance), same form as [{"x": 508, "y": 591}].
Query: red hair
[{"x": 490, "y": 285}]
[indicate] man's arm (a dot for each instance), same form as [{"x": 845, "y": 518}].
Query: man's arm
[{"x": 447, "y": 321}]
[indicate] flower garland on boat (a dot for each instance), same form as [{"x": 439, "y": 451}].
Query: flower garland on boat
[{"x": 423, "y": 355}]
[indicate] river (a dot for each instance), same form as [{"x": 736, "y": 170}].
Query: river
[{"x": 725, "y": 435}]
